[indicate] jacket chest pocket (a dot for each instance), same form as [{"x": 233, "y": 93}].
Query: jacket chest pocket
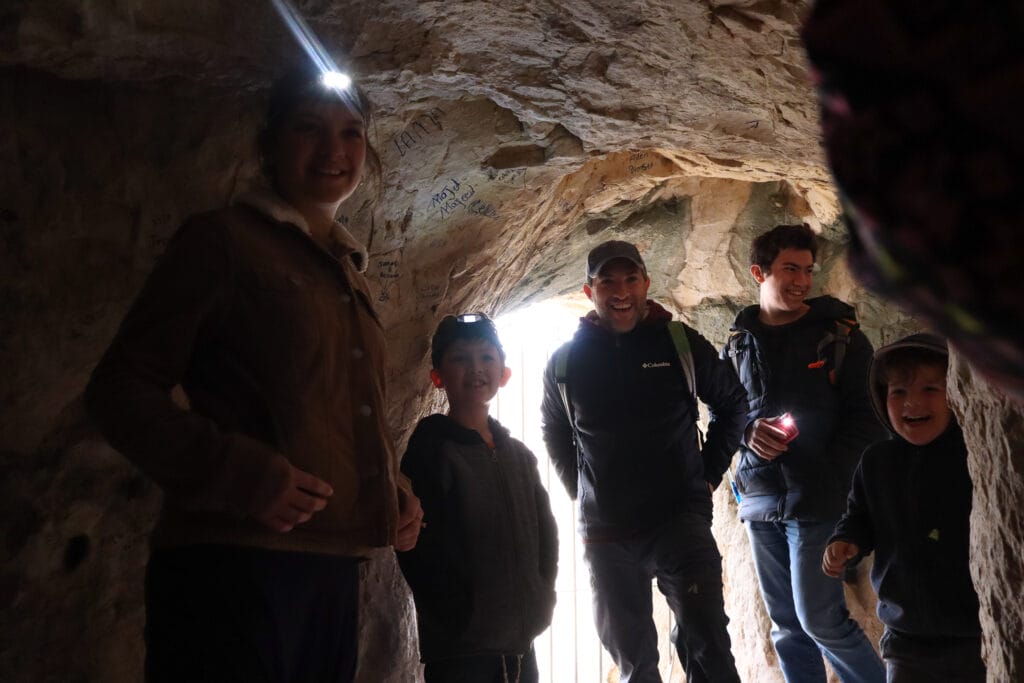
[
  {"x": 280, "y": 315},
  {"x": 809, "y": 386},
  {"x": 663, "y": 379}
]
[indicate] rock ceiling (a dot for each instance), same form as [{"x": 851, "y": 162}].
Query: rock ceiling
[{"x": 514, "y": 136}]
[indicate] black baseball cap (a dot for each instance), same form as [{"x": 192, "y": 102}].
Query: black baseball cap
[{"x": 612, "y": 249}]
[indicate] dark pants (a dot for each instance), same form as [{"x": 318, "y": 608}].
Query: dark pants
[
  {"x": 225, "y": 614},
  {"x": 484, "y": 669},
  {"x": 913, "y": 659},
  {"x": 683, "y": 557}
]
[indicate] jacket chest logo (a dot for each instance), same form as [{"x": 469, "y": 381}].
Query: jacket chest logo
[{"x": 652, "y": 364}]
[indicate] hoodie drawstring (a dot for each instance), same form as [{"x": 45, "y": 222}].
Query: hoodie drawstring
[{"x": 519, "y": 669}]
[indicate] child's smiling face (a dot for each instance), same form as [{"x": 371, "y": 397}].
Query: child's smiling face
[
  {"x": 471, "y": 372},
  {"x": 917, "y": 405}
]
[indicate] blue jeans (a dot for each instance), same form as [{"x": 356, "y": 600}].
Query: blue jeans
[{"x": 808, "y": 608}]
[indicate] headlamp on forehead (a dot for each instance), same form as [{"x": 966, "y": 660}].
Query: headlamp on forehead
[
  {"x": 469, "y": 326},
  {"x": 335, "y": 80},
  {"x": 330, "y": 77}
]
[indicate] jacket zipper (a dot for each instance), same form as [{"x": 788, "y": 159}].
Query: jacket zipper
[
  {"x": 757, "y": 378},
  {"x": 512, "y": 530}
]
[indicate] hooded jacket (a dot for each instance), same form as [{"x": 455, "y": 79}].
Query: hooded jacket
[
  {"x": 640, "y": 464},
  {"x": 280, "y": 354},
  {"x": 483, "y": 570},
  {"x": 911, "y": 506},
  {"x": 781, "y": 370}
]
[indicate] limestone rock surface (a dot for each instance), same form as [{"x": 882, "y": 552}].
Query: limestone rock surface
[{"x": 514, "y": 134}]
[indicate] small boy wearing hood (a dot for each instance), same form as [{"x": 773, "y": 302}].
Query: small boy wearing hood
[
  {"x": 910, "y": 504},
  {"x": 483, "y": 572}
]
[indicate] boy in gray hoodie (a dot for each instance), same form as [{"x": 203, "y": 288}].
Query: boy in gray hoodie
[{"x": 483, "y": 571}]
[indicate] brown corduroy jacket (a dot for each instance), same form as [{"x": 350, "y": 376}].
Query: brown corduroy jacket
[{"x": 278, "y": 349}]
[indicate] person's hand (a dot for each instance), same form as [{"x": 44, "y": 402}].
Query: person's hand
[
  {"x": 766, "y": 440},
  {"x": 410, "y": 520},
  {"x": 837, "y": 554},
  {"x": 289, "y": 496}
]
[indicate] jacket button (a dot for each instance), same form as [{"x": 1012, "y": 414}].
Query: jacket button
[
  {"x": 346, "y": 299},
  {"x": 364, "y": 410},
  {"x": 357, "y": 353}
]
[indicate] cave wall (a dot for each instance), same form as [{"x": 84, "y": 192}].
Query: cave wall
[
  {"x": 994, "y": 431},
  {"x": 514, "y": 136}
]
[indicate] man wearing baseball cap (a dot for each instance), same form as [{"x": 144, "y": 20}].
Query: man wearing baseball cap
[{"x": 620, "y": 424}]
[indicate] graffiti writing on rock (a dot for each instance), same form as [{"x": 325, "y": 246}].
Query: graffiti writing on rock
[
  {"x": 457, "y": 195},
  {"x": 640, "y": 162},
  {"x": 420, "y": 131},
  {"x": 431, "y": 291},
  {"x": 387, "y": 273},
  {"x": 510, "y": 176}
]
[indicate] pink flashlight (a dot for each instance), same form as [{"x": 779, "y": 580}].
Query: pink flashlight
[{"x": 787, "y": 424}]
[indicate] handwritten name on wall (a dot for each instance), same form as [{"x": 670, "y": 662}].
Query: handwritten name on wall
[
  {"x": 420, "y": 131},
  {"x": 458, "y": 194},
  {"x": 387, "y": 274},
  {"x": 508, "y": 176},
  {"x": 431, "y": 291},
  {"x": 640, "y": 162}
]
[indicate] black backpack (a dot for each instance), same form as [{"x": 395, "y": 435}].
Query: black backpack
[{"x": 838, "y": 338}]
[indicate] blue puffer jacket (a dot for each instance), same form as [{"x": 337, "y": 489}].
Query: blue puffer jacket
[{"x": 809, "y": 481}]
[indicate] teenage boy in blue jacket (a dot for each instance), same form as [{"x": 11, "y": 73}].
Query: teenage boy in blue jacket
[
  {"x": 911, "y": 505},
  {"x": 787, "y": 350}
]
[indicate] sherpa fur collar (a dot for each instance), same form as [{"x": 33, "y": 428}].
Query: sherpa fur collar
[{"x": 266, "y": 201}]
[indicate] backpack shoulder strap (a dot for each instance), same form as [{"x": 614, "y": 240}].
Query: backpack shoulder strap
[
  {"x": 732, "y": 349},
  {"x": 677, "y": 330},
  {"x": 561, "y": 364},
  {"x": 682, "y": 343},
  {"x": 837, "y": 336}
]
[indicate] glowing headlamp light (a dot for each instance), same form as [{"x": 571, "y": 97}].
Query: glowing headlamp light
[{"x": 335, "y": 80}]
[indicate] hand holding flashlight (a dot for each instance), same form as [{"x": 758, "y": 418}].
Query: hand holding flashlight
[
  {"x": 786, "y": 424},
  {"x": 769, "y": 435}
]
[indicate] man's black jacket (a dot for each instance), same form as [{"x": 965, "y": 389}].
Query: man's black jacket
[{"x": 641, "y": 463}]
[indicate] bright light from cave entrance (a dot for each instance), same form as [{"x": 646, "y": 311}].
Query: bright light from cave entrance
[{"x": 570, "y": 651}]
